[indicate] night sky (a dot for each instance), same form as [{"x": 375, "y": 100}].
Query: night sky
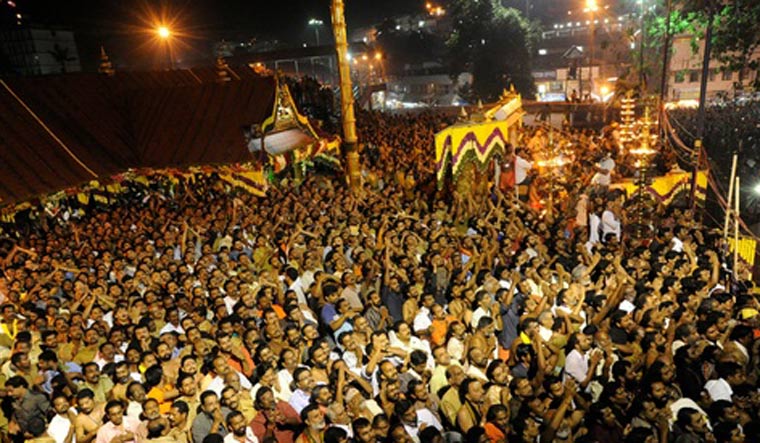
[
  {"x": 285, "y": 20},
  {"x": 124, "y": 27}
]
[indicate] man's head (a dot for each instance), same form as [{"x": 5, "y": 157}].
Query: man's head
[
  {"x": 303, "y": 379},
  {"x": 265, "y": 399},
  {"x": 187, "y": 385},
  {"x": 363, "y": 432},
  {"x": 313, "y": 418},
  {"x": 91, "y": 372},
  {"x": 61, "y": 404},
  {"x": 691, "y": 420},
  {"x": 455, "y": 375},
  {"x": 321, "y": 395},
  {"x": 17, "y": 387},
  {"x": 471, "y": 390},
  {"x": 178, "y": 413},
  {"x": 230, "y": 398},
  {"x": 209, "y": 402},
  {"x": 85, "y": 401},
  {"x": 136, "y": 392},
  {"x": 406, "y": 412},
  {"x": 115, "y": 412},
  {"x": 236, "y": 423}
]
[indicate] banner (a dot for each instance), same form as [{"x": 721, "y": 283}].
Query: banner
[
  {"x": 250, "y": 181},
  {"x": 665, "y": 188},
  {"x": 464, "y": 142},
  {"x": 747, "y": 249},
  {"x": 240, "y": 176}
]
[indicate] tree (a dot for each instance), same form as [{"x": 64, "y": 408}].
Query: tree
[
  {"x": 61, "y": 56},
  {"x": 495, "y": 44},
  {"x": 735, "y": 34}
]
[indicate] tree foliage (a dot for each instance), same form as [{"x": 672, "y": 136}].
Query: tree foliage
[
  {"x": 736, "y": 36},
  {"x": 495, "y": 44}
]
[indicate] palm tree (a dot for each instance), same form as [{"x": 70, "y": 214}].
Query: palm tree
[{"x": 61, "y": 55}]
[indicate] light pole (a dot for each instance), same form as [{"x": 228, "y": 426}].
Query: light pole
[
  {"x": 642, "y": 21},
  {"x": 316, "y": 23},
  {"x": 591, "y": 7},
  {"x": 337, "y": 11},
  {"x": 165, "y": 34}
]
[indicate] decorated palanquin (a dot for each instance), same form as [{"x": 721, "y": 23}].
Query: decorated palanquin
[
  {"x": 466, "y": 149},
  {"x": 287, "y": 138}
]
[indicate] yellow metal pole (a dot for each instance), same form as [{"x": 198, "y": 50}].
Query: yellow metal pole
[{"x": 346, "y": 94}]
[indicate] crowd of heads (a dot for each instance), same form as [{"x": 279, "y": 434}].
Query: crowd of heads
[{"x": 395, "y": 314}]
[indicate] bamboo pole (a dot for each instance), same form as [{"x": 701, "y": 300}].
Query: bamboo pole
[
  {"x": 730, "y": 197},
  {"x": 346, "y": 94},
  {"x": 736, "y": 230}
]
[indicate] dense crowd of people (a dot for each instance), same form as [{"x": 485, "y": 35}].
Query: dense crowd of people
[
  {"x": 315, "y": 315},
  {"x": 730, "y": 127}
]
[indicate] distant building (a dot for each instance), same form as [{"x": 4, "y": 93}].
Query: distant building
[
  {"x": 38, "y": 51},
  {"x": 685, "y": 71},
  {"x": 432, "y": 86},
  {"x": 563, "y": 61}
]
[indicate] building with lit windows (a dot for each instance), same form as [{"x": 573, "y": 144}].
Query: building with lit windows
[{"x": 685, "y": 70}]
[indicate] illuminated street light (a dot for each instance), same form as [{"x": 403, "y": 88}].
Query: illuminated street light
[
  {"x": 163, "y": 32},
  {"x": 591, "y": 5},
  {"x": 317, "y": 24},
  {"x": 378, "y": 56},
  {"x": 757, "y": 189}
]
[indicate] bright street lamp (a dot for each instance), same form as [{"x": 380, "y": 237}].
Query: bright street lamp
[
  {"x": 316, "y": 23},
  {"x": 591, "y": 7},
  {"x": 163, "y": 32},
  {"x": 757, "y": 189}
]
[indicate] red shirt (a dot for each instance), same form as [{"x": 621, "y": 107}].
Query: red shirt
[{"x": 262, "y": 426}]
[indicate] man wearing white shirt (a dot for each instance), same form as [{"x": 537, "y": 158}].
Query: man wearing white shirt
[
  {"x": 240, "y": 432},
  {"x": 578, "y": 364},
  {"x": 63, "y": 421},
  {"x": 731, "y": 374},
  {"x": 522, "y": 166},
  {"x": 604, "y": 168},
  {"x": 295, "y": 284},
  {"x": 611, "y": 222},
  {"x": 593, "y": 228},
  {"x": 217, "y": 383},
  {"x": 414, "y": 420}
]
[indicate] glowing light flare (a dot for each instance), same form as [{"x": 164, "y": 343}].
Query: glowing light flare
[
  {"x": 642, "y": 152},
  {"x": 163, "y": 32},
  {"x": 556, "y": 162},
  {"x": 756, "y": 189}
]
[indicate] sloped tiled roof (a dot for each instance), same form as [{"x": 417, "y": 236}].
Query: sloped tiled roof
[{"x": 61, "y": 131}]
